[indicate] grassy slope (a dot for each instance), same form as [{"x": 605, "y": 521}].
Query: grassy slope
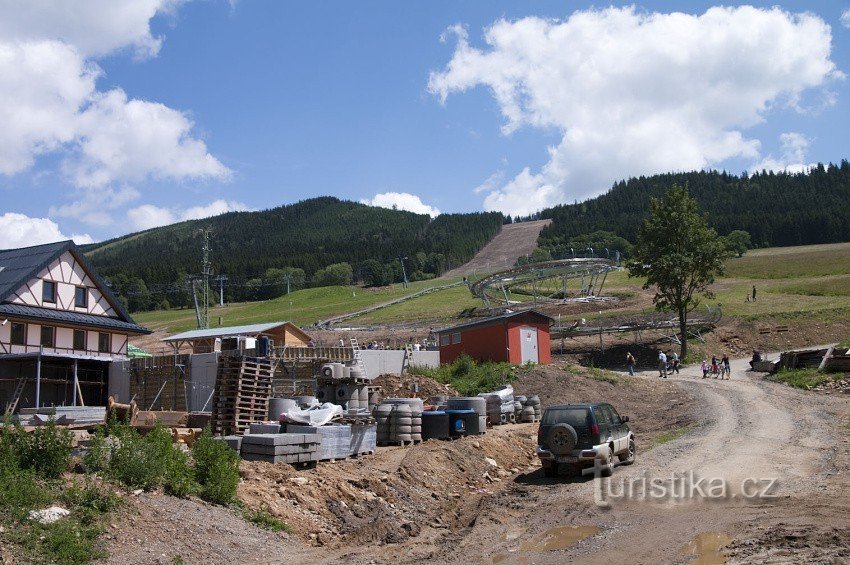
[
  {"x": 302, "y": 307},
  {"x": 791, "y": 281}
]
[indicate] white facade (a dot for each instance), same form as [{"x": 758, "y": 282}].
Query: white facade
[{"x": 68, "y": 275}]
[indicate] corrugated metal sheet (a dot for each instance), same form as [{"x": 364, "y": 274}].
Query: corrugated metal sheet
[{"x": 228, "y": 331}]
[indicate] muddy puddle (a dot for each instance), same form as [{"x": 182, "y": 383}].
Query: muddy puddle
[
  {"x": 558, "y": 538},
  {"x": 707, "y": 548}
]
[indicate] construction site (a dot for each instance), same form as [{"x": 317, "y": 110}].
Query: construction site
[{"x": 342, "y": 435}]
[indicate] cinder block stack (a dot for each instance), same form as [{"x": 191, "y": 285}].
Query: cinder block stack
[
  {"x": 335, "y": 439},
  {"x": 289, "y": 448}
]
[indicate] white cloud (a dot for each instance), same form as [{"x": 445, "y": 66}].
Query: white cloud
[
  {"x": 214, "y": 208},
  {"x": 845, "y": 18},
  {"x": 94, "y": 27},
  {"x": 42, "y": 86},
  {"x": 148, "y": 216},
  {"x": 636, "y": 93},
  {"x": 19, "y": 230},
  {"x": 95, "y": 204},
  {"x": 129, "y": 140},
  {"x": 401, "y": 201},
  {"x": 795, "y": 146},
  {"x": 491, "y": 183},
  {"x": 51, "y": 102}
]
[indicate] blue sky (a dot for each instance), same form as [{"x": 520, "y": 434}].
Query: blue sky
[{"x": 129, "y": 115}]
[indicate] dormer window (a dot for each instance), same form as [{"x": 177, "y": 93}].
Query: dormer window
[
  {"x": 81, "y": 297},
  {"x": 48, "y": 291}
]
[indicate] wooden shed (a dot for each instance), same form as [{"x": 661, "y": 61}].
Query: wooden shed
[
  {"x": 515, "y": 337},
  {"x": 216, "y": 339}
]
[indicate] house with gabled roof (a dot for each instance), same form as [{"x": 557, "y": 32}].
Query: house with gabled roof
[{"x": 60, "y": 328}]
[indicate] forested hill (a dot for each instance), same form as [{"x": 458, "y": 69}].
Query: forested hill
[
  {"x": 777, "y": 209},
  {"x": 302, "y": 239}
]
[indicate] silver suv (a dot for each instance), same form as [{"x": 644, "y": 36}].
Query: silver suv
[{"x": 584, "y": 436}]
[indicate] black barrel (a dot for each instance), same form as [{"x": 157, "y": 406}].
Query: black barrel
[
  {"x": 435, "y": 424},
  {"x": 463, "y": 422}
]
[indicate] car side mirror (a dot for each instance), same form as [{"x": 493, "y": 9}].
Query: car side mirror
[{"x": 624, "y": 419}]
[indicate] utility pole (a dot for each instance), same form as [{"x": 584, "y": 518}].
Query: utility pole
[
  {"x": 206, "y": 272},
  {"x": 403, "y": 271},
  {"x": 221, "y": 279},
  {"x": 195, "y": 299}
]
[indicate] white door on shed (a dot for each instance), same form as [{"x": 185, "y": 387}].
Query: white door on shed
[{"x": 528, "y": 339}]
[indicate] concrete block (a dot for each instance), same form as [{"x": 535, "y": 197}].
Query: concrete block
[
  {"x": 279, "y": 449},
  {"x": 335, "y": 439},
  {"x": 233, "y": 442},
  {"x": 264, "y": 428},
  {"x": 273, "y": 439}
]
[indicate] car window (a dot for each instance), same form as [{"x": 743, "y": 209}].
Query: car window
[
  {"x": 615, "y": 417},
  {"x": 601, "y": 415},
  {"x": 576, "y": 417}
]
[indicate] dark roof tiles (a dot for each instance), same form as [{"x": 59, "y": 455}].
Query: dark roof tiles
[{"x": 54, "y": 315}]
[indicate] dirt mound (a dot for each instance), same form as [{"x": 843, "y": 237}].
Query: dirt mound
[
  {"x": 398, "y": 386},
  {"x": 652, "y": 405},
  {"x": 391, "y": 496}
]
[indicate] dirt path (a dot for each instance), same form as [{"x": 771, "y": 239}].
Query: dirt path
[
  {"x": 750, "y": 430},
  {"x": 514, "y": 240}
]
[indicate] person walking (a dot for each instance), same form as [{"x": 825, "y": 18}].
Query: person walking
[
  {"x": 675, "y": 363},
  {"x": 630, "y": 363},
  {"x": 704, "y": 369},
  {"x": 662, "y": 364},
  {"x": 754, "y": 293},
  {"x": 714, "y": 368},
  {"x": 727, "y": 367}
]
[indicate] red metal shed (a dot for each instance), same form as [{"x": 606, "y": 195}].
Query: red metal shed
[{"x": 516, "y": 337}]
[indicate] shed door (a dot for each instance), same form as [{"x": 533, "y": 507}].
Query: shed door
[{"x": 528, "y": 339}]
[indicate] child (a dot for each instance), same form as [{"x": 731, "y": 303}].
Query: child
[
  {"x": 714, "y": 369},
  {"x": 704, "y": 369}
]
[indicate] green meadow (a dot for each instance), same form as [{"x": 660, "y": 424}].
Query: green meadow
[{"x": 790, "y": 281}]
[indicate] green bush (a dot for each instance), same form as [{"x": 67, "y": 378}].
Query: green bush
[
  {"x": 469, "y": 377},
  {"x": 96, "y": 459},
  {"x": 216, "y": 469},
  {"x": 47, "y": 450},
  {"x": 149, "y": 461},
  {"x": 179, "y": 478},
  {"x": 263, "y": 519}
]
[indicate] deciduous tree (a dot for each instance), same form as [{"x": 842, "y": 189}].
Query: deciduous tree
[{"x": 678, "y": 254}]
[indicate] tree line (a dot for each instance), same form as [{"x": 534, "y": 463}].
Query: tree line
[
  {"x": 775, "y": 209},
  {"x": 316, "y": 242}
]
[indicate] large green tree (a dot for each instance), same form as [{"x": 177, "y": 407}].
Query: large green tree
[{"x": 678, "y": 254}]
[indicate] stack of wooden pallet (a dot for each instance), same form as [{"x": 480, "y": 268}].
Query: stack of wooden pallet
[{"x": 243, "y": 386}]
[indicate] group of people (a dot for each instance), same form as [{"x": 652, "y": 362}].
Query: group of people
[
  {"x": 718, "y": 368},
  {"x": 668, "y": 363}
]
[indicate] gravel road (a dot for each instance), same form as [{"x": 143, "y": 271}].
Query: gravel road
[{"x": 764, "y": 458}]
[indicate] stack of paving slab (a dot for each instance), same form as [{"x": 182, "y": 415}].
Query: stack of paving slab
[
  {"x": 335, "y": 439},
  {"x": 289, "y": 448},
  {"x": 364, "y": 438}
]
